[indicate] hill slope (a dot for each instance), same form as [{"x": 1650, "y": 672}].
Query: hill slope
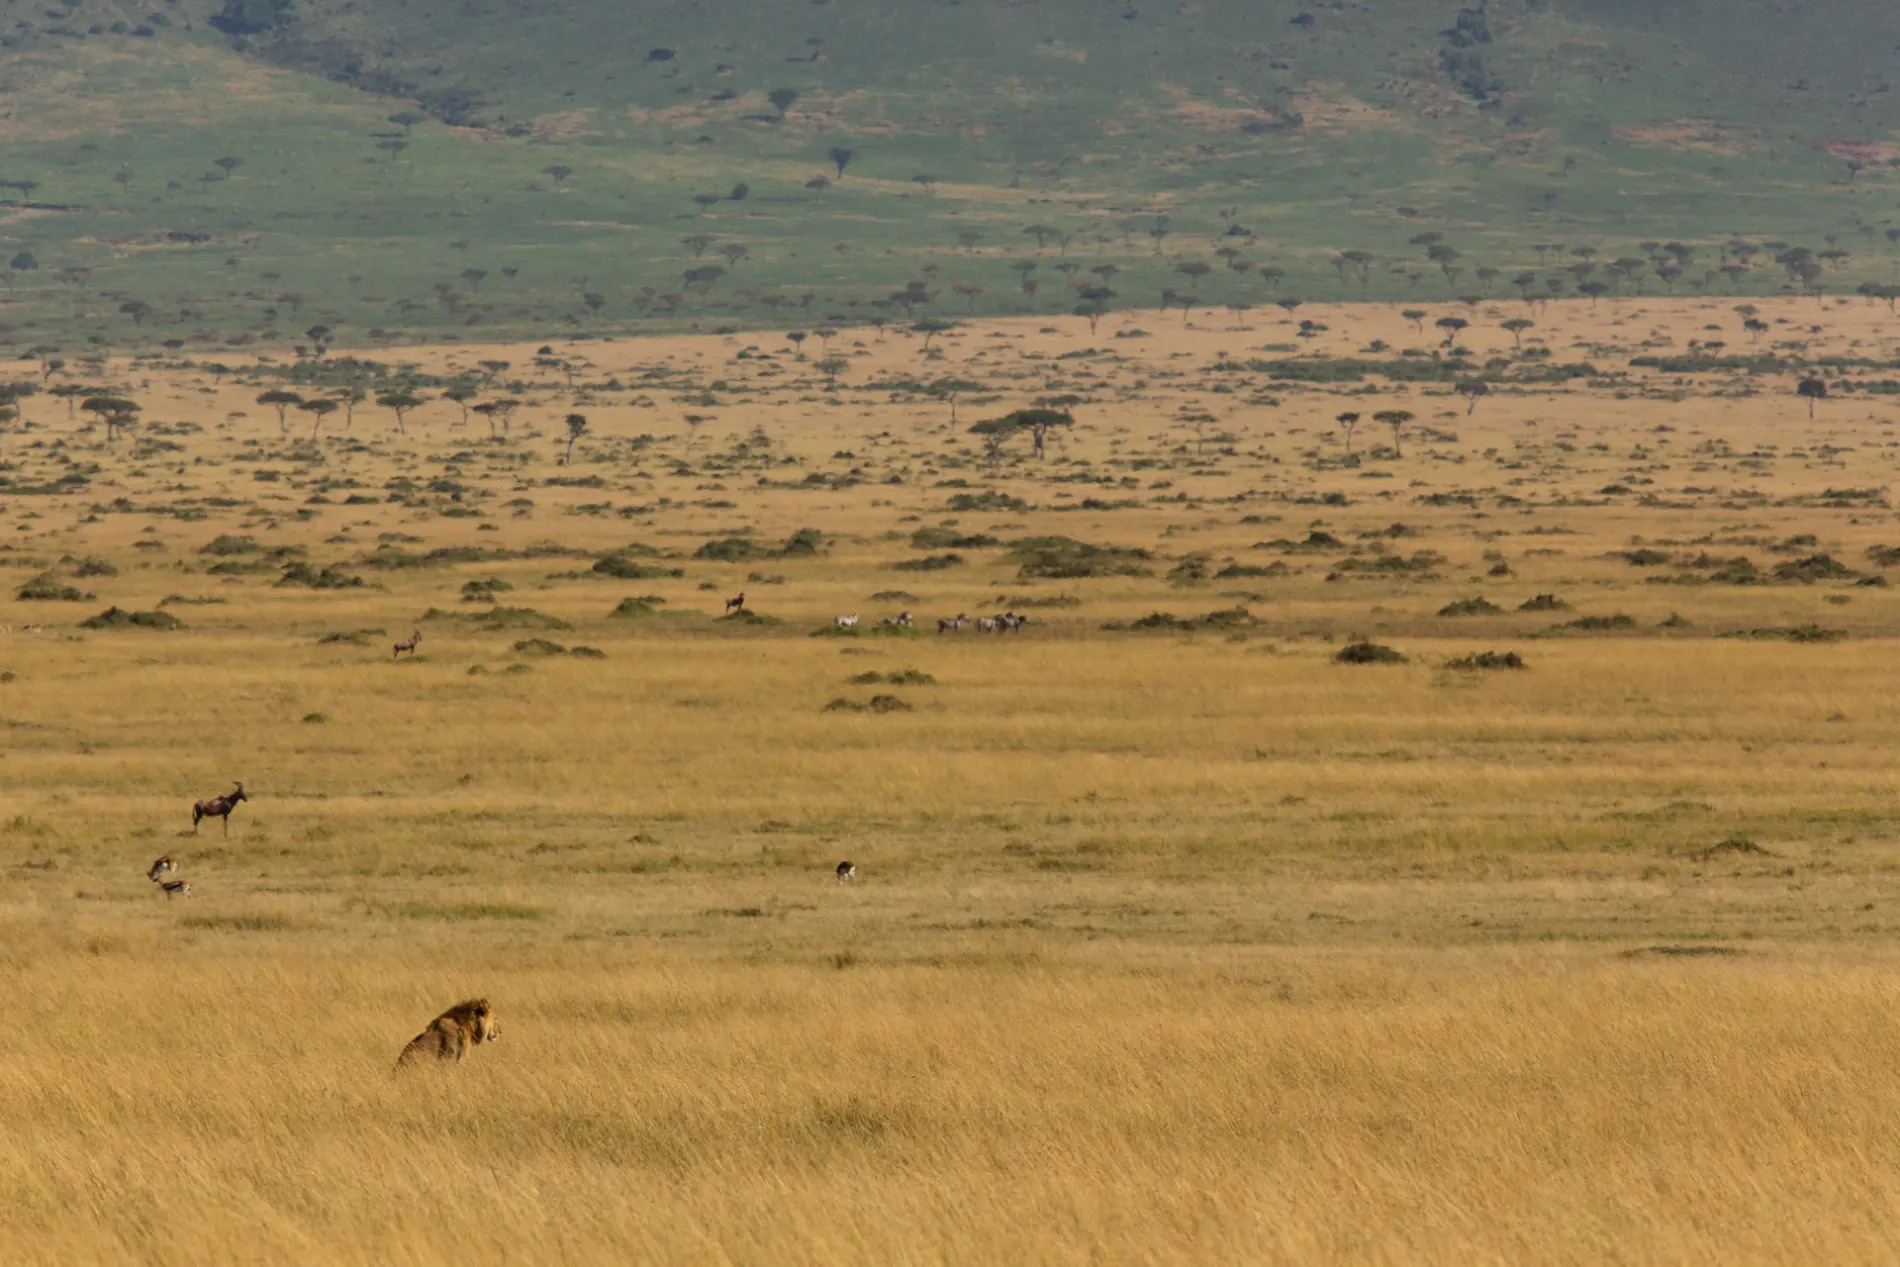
[{"x": 202, "y": 172}]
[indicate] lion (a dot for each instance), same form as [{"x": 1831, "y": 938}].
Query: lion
[{"x": 451, "y": 1034}]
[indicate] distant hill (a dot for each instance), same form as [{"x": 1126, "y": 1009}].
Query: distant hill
[{"x": 200, "y": 172}]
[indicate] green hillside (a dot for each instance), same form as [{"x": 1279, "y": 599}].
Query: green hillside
[{"x": 242, "y": 171}]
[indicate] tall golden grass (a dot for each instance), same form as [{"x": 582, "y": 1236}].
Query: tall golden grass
[{"x": 1167, "y": 947}]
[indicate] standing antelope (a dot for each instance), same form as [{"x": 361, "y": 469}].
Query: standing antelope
[
  {"x": 160, "y": 869},
  {"x": 175, "y": 888},
  {"x": 408, "y": 644},
  {"x": 847, "y": 873},
  {"x": 735, "y": 605},
  {"x": 952, "y": 626},
  {"x": 217, "y": 807},
  {"x": 846, "y": 622}
]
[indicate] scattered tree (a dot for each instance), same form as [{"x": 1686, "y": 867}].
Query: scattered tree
[
  {"x": 576, "y": 424},
  {"x": 281, "y": 401},
  {"x": 1395, "y": 419}
]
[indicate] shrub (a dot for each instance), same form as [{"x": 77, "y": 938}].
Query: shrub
[
  {"x": 987, "y": 500},
  {"x": 637, "y": 608},
  {"x": 119, "y": 618},
  {"x": 1790, "y": 633},
  {"x": 1470, "y": 607},
  {"x": 1816, "y": 567},
  {"x": 1645, "y": 558},
  {"x": 327, "y": 579},
  {"x": 1067, "y": 558},
  {"x": 623, "y": 567},
  {"x": 229, "y": 545},
  {"x": 888, "y": 704},
  {"x": 1368, "y": 653},
  {"x": 806, "y": 541},
  {"x": 47, "y": 587},
  {"x": 1544, "y": 603},
  {"x": 538, "y": 646},
  {"x": 501, "y": 618},
  {"x": 950, "y": 539},
  {"x": 1487, "y": 660},
  {"x": 728, "y": 550},
  {"x": 929, "y": 563}
]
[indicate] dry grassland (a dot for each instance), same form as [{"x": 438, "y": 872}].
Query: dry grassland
[{"x": 1170, "y": 945}]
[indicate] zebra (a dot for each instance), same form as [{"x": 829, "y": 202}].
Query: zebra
[
  {"x": 407, "y": 644},
  {"x": 735, "y": 605},
  {"x": 217, "y": 807},
  {"x": 846, "y": 622},
  {"x": 901, "y": 620},
  {"x": 1010, "y": 622},
  {"x": 160, "y": 869},
  {"x": 847, "y": 873},
  {"x": 175, "y": 888},
  {"x": 986, "y": 624},
  {"x": 952, "y": 626}
]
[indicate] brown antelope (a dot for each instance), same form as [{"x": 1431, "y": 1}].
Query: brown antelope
[
  {"x": 408, "y": 644},
  {"x": 175, "y": 888},
  {"x": 217, "y": 807},
  {"x": 735, "y": 605},
  {"x": 952, "y": 626},
  {"x": 160, "y": 869},
  {"x": 847, "y": 873}
]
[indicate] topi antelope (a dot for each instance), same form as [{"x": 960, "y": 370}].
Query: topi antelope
[
  {"x": 846, "y": 622},
  {"x": 408, "y": 644},
  {"x": 160, "y": 869},
  {"x": 735, "y": 605},
  {"x": 217, "y": 807},
  {"x": 952, "y": 626},
  {"x": 175, "y": 888},
  {"x": 847, "y": 873}
]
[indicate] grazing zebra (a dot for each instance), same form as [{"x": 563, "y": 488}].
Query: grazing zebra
[
  {"x": 1010, "y": 622},
  {"x": 735, "y": 605},
  {"x": 408, "y": 644},
  {"x": 847, "y": 873},
  {"x": 846, "y": 622},
  {"x": 217, "y": 807},
  {"x": 175, "y": 888},
  {"x": 901, "y": 620},
  {"x": 160, "y": 869},
  {"x": 952, "y": 626}
]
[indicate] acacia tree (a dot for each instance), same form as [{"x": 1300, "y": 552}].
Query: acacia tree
[
  {"x": 931, "y": 327},
  {"x": 1471, "y": 389},
  {"x": 461, "y": 394},
  {"x": 831, "y": 367},
  {"x": 1395, "y": 419},
  {"x": 842, "y": 157},
  {"x": 946, "y": 389},
  {"x": 1811, "y": 390},
  {"x": 1350, "y": 421},
  {"x": 319, "y": 408},
  {"x": 576, "y": 424},
  {"x": 1452, "y": 326},
  {"x": 281, "y": 401},
  {"x": 116, "y": 412},
  {"x": 400, "y": 403},
  {"x": 1517, "y": 326}
]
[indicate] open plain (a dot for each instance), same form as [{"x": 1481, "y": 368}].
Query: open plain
[{"x": 1561, "y": 929}]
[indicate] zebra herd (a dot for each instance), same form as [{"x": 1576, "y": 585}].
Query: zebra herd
[{"x": 1008, "y": 622}]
